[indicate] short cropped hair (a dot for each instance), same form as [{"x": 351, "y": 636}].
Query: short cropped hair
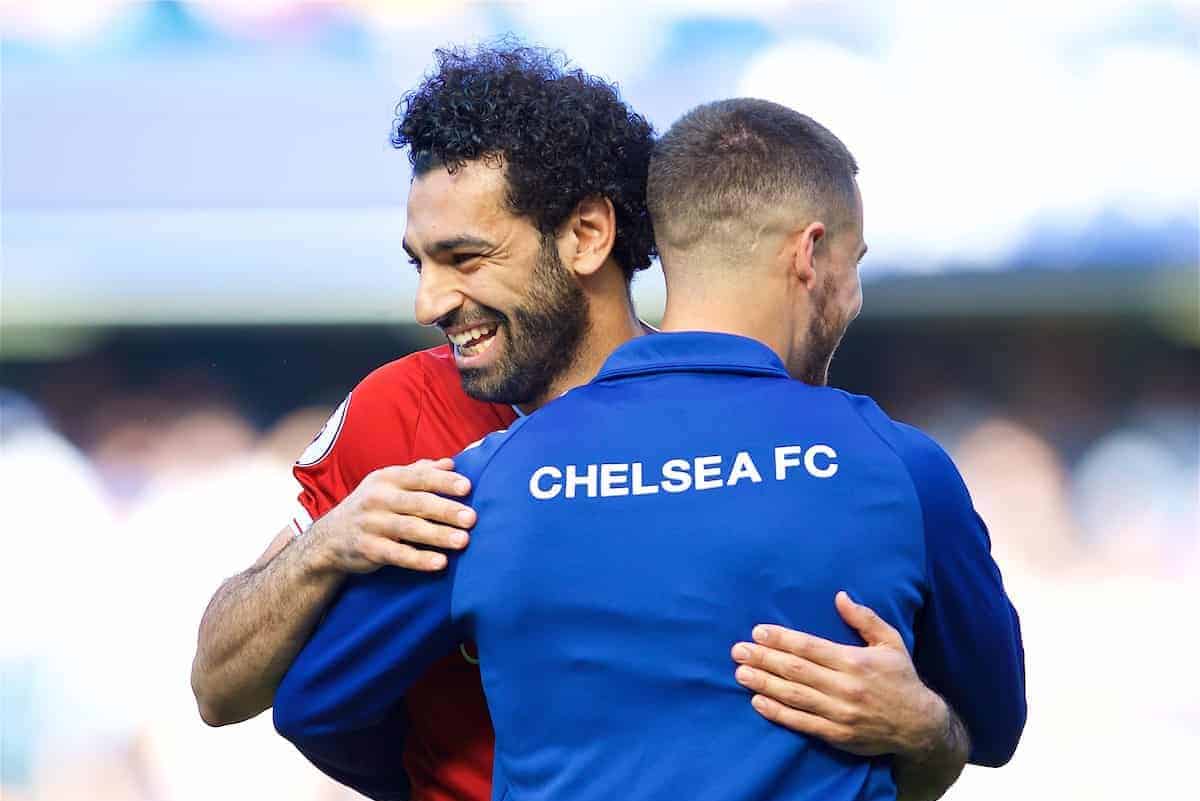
[
  {"x": 735, "y": 161},
  {"x": 561, "y": 134}
]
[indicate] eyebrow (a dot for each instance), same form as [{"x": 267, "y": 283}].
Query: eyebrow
[{"x": 452, "y": 243}]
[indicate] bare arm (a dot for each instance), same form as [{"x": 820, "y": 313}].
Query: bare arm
[
  {"x": 253, "y": 628},
  {"x": 866, "y": 700},
  {"x": 925, "y": 774},
  {"x": 258, "y": 620}
]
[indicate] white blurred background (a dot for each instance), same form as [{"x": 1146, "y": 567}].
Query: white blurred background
[{"x": 200, "y": 241}]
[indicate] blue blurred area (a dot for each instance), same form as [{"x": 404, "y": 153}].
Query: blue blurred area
[
  {"x": 174, "y": 148},
  {"x": 1112, "y": 240}
]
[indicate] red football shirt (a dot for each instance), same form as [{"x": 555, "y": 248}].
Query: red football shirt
[{"x": 414, "y": 408}]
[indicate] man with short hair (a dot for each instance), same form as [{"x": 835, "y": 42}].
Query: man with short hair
[{"x": 339, "y": 700}]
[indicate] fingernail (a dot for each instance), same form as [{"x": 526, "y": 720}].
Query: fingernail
[
  {"x": 744, "y": 674},
  {"x": 741, "y": 651},
  {"x": 759, "y": 703},
  {"x": 437, "y": 560},
  {"x": 465, "y": 517},
  {"x": 458, "y": 540},
  {"x": 761, "y": 633},
  {"x": 462, "y": 486}
]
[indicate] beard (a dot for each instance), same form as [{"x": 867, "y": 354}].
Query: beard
[
  {"x": 824, "y": 336},
  {"x": 543, "y": 335}
]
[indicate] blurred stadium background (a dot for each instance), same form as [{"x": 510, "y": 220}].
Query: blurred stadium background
[{"x": 201, "y": 228}]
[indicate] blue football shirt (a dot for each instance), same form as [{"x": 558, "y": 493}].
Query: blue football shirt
[{"x": 630, "y": 532}]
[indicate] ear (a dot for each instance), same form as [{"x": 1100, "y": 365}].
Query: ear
[
  {"x": 804, "y": 246},
  {"x": 591, "y": 231}
]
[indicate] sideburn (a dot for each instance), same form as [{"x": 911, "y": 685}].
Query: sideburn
[{"x": 823, "y": 338}]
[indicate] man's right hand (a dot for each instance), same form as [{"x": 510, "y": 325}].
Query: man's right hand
[
  {"x": 258, "y": 620},
  {"x": 386, "y": 519}
]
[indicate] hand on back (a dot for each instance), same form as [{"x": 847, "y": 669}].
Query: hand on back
[
  {"x": 867, "y": 700},
  {"x": 396, "y": 516}
]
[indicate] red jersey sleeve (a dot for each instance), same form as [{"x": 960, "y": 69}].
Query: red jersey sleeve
[
  {"x": 375, "y": 426},
  {"x": 412, "y": 408}
]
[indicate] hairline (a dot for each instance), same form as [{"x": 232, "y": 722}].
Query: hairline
[{"x": 757, "y": 135}]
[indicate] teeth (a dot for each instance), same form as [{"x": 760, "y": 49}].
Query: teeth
[{"x": 464, "y": 337}]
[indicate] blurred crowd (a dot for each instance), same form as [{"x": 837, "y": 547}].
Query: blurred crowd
[{"x": 125, "y": 510}]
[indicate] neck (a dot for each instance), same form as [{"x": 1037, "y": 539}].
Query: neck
[
  {"x": 612, "y": 323},
  {"x": 732, "y": 310}
]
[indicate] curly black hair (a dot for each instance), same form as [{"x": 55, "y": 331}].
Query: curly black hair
[{"x": 562, "y": 134}]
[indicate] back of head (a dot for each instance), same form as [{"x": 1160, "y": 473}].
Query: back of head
[{"x": 729, "y": 172}]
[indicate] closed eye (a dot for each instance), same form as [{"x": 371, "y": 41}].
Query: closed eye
[{"x": 460, "y": 259}]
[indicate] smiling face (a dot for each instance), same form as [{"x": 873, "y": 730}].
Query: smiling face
[{"x": 513, "y": 313}]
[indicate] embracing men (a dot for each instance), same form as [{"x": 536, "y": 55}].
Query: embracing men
[{"x": 632, "y": 530}]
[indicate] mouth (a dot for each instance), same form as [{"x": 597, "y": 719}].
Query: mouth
[{"x": 474, "y": 342}]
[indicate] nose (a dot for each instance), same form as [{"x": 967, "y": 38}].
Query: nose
[{"x": 437, "y": 295}]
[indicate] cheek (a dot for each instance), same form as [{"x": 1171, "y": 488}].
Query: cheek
[
  {"x": 510, "y": 284},
  {"x": 850, "y": 296},
  {"x": 486, "y": 288}
]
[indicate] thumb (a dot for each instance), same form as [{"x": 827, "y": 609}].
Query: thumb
[{"x": 871, "y": 627}]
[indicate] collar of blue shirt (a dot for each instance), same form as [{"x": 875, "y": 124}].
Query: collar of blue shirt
[{"x": 691, "y": 351}]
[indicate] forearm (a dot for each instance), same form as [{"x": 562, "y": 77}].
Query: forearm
[
  {"x": 253, "y": 628},
  {"x": 927, "y": 773},
  {"x": 341, "y": 701}
]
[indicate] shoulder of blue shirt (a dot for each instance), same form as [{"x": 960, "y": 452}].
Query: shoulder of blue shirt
[
  {"x": 964, "y": 582},
  {"x": 925, "y": 460}
]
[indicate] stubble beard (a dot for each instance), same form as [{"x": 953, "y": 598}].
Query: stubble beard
[
  {"x": 824, "y": 336},
  {"x": 543, "y": 336}
]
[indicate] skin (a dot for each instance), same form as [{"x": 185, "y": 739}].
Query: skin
[
  {"x": 864, "y": 700},
  {"x": 258, "y": 620},
  {"x": 476, "y": 259},
  {"x": 799, "y": 274}
]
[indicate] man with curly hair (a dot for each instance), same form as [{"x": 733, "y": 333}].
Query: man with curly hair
[{"x": 527, "y": 220}]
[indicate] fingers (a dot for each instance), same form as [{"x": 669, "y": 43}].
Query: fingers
[
  {"x": 417, "y": 490},
  {"x": 430, "y": 507},
  {"x": 427, "y": 476},
  {"x": 823, "y": 652},
  {"x": 787, "y": 666},
  {"x": 381, "y": 551},
  {"x": 870, "y": 626},
  {"x": 416, "y": 531},
  {"x": 803, "y": 722},
  {"x": 797, "y": 696}
]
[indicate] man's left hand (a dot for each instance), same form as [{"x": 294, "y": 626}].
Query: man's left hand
[{"x": 866, "y": 700}]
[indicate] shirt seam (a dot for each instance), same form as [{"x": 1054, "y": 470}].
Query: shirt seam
[
  {"x": 911, "y": 482},
  {"x": 426, "y": 388},
  {"x": 509, "y": 434},
  {"x": 722, "y": 367}
]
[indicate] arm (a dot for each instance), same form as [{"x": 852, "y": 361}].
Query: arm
[
  {"x": 341, "y": 701},
  {"x": 252, "y": 629},
  {"x": 927, "y": 775},
  {"x": 968, "y": 638},
  {"x": 257, "y": 621},
  {"x": 866, "y": 700}
]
